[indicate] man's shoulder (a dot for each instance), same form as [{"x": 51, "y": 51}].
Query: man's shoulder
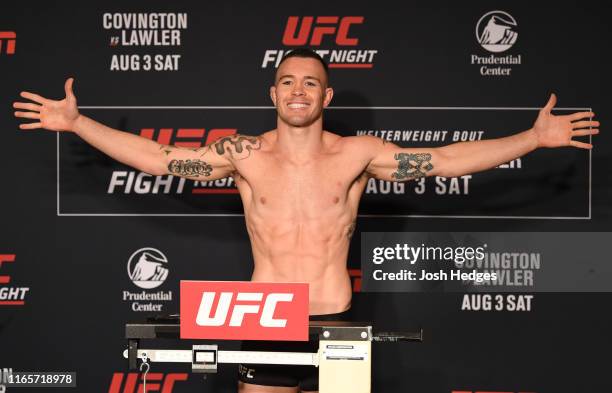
[{"x": 359, "y": 142}]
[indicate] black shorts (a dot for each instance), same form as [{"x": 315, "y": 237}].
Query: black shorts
[{"x": 306, "y": 377}]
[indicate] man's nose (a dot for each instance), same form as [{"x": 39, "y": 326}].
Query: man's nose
[{"x": 298, "y": 90}]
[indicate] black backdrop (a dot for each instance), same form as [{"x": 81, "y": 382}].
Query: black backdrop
[{"x": 72, "y": 239}]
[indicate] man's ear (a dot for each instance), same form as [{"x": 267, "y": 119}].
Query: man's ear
[
  {"x": 329, "y": 93},
  {"x": 273, "y": 94}
]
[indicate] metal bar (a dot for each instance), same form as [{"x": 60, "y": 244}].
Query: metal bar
[
  {"x": 398, "y": 336},
  {"x": 257, "y": 357},
  {"x": 254, "y": 357},
  {"x": 165, "y": 355}
]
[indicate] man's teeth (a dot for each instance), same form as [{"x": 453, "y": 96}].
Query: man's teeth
[{"x": 294, "y": 106}]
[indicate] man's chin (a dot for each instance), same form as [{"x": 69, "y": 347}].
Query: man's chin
[{"x": 298, "y": 121}]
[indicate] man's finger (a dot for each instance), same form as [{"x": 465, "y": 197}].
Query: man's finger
[
  {"x": 68, "y": 87},
  {"x": 27, "y": 105},
  {"x": 585, "y": 124},
  {"x": 550, "y": 104},
  {"x": 33, "y": 97},
  {"x": 28, "y": 115},
  {"x": 580, "y": 115},
  {"x": 592, "y": 131},
  {"x": 581, "y": 145},
  {"x": 30, "y": 126}
]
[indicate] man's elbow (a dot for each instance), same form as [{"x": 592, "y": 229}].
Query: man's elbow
[
  {"x": 157, "y": 168},
  {"x": 445, "y": 164}
]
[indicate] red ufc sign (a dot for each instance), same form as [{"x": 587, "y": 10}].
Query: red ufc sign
[
  {"x": 6, "y": 258},
  {"x": 241, "y": 310},
  {"x": 324, "y": 25},
  {"x": 186, "y": 137},
  {"x": 155, "y": 382},
  {"x": 9, "y": 37}
]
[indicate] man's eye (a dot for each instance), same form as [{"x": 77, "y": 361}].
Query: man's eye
[
  {"x": 286, "y": 82},
  {"x": 311, "y": 83}
]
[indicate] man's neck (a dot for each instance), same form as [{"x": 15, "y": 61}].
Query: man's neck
[{"x": 300, "y": 143}]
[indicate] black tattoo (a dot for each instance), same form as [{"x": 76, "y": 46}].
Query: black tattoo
[
  {"x": 412, "y": 166},
  {"x": 189, "y": 168},
  {"x": 167, "y": 150},
  {"x": 239, "y": 146}
]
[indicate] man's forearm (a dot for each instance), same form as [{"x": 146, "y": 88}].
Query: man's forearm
[
  {"x": 469, "y": 157},
  {"x": 135, "y": 151}
]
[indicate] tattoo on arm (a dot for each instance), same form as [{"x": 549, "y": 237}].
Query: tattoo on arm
[
  {"x": 169, "y": 149},
  {"x": 238, "y": 146},
  {"x": 166, "y": 149},
  {"x": 191, "y": 168},
  {"x": 412, "y": 166}
]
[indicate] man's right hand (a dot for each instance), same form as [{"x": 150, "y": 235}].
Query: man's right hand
[{"x": 51, "y": 114}]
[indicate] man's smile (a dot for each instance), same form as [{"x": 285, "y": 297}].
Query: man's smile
[{"x": 298, "y": 105}]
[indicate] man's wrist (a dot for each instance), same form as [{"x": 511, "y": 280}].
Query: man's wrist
[
  {"x": 77, "y": 124},
  {"x": 532, "y": 137}
]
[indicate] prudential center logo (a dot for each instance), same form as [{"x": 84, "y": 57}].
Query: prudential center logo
[
  {"x": 495, "y": 31},
  {"x": 147, "y": 268}
]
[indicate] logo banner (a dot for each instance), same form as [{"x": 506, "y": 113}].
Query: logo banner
[{"x": 231, "y": 310}]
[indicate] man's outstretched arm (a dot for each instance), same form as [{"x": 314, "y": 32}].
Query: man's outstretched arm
[
  {"x": 135, "y": 151},
  {"x": 391, "y": 162}
]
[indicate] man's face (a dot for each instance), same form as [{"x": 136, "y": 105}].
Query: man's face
[{"x": 300, "y": 92}]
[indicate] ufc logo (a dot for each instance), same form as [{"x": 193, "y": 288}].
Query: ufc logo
[
  {"x": 324, "y": 25},
  {"x": 242, "y": 310},
  {"x": 6, "y": 258},
  {"x": 9, "y": 37},
  {"x": 155, "y": 382},
  {"x": 186, "y": 137},
  {"x": 239, "y": 310}
]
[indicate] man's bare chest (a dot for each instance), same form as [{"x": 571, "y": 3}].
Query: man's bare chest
[{"x": 311, "y": 185}]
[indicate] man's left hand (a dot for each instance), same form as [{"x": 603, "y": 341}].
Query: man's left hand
[{"x": 558, "y": 131}]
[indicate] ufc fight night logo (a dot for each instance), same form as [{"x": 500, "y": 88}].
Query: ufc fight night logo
[
  {"x": 244, "y": 310},
  {"x": 186, "y": 137},
  {"x": 332, "y": 26},
  {"x": 338, "y": 33},
  {"x": 136, "y": 182},
  {"x": 7, "y": 42},
  {"x": 9, "y": 295}
]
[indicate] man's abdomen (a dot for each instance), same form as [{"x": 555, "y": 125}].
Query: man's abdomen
[{"x": 313, "y": 252}]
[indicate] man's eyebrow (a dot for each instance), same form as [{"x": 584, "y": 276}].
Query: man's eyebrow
[
  {"x": 312, "y": 77},
  {"x": 293, "y": 76}
]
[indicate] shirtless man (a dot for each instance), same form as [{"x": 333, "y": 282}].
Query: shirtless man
[{"x": 301, "y": 185}]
